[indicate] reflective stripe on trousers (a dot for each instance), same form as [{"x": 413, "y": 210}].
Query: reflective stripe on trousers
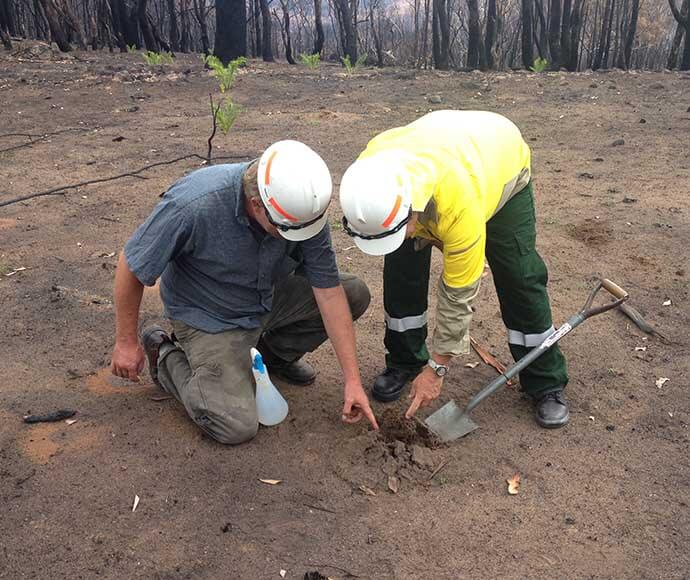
[
  {"x": 407, "y": 323},
  {"x": 528, "y": 340}
]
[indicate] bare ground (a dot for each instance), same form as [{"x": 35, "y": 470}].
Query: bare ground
[{"x": 606, "y": 497}]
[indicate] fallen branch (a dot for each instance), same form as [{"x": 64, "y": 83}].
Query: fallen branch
[
  {"x": 40, "y": 138},
  {"x": 347, "y": 573},
  {"x": 64, "y": 188}
]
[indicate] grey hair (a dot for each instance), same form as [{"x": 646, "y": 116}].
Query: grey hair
[{"x": 249, "y": 180}]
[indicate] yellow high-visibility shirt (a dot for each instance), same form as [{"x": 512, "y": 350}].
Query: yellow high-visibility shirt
[{"x": 469, "y": 163}]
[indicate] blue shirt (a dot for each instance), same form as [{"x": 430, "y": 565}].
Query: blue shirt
[{"x": 217, "y": 269}]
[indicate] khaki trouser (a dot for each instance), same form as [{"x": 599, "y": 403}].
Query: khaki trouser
[{"x": 210, "y": 374}]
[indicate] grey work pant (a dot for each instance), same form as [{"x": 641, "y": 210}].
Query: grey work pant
[{"x": 210, "y": 374}]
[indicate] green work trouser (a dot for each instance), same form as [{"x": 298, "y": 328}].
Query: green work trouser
[
  {"x": 520, "y": 278},
  {"x": 210, "y": 374}
]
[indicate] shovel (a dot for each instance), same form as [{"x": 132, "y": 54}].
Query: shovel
[{"x": 451, "y": 422}]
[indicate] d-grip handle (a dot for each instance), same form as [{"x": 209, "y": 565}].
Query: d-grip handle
[{"x": 614, "y": 289}]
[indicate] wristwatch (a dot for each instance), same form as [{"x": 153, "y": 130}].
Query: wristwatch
[{"x": 439, "y": 369}]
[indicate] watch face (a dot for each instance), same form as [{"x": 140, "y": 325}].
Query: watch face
[{"x": 441, "y": 371}]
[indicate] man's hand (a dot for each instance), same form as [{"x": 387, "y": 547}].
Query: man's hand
[
  {"x": 357, "y": 405},
  {"x": 425, "y": 388},
  {"x": 128, "y": 360}
]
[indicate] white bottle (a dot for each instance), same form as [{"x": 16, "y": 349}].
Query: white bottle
[{"x": 271, "y": 408}]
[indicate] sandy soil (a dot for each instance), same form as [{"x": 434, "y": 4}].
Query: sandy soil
[{"x": 606, "y": 497}]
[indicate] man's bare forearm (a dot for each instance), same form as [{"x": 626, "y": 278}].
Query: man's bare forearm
[
  {"x": 337, "y": 318},
  {"x": 128, "y": 293}
]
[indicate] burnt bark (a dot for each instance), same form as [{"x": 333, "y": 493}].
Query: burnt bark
[
  {"x": 527, "y": 34},
  {"x": 491, "y": 34},
  {"x": 221, "y": 7},
  {"x": 632, "y": 30},
  {"x": 184, "y": 26},
  {"x": 555, "y": 34},
  {"x": 348, "y": 30},
  {"x": 173, "y": 30},
  {"x": 145, "y": 27},
  {"x": 267, "y": 45},
  {"x": 287, "y": 38},
  {"x": 685, "y": 22},
  {"x": 57, "y": 25},
  {"x": 677, "y": 38},
  {"x": 441, "y": 34},
  {"x": 474, "y": 39},
  {"x": 319, "y": 38},
  {"x": 231, "y": 29}
]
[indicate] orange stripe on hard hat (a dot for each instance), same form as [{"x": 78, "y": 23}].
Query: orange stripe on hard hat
[
  {"x": 281, "y": 211},
  {"x": 391, "y": 215},
  {"x": 267, "y": 176}
]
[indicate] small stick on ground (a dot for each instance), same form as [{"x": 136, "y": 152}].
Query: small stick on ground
[
  {"x": 489, "y": 359},
  {"x": 347, "y": 573},
  {"x": 438, "y": 469}
]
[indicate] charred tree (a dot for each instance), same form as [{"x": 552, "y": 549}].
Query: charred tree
[
  {"x": 672, "y": 61},
  {"x": 632, "y": 30},
  {"x": 555, "y": 34},
  {"x": 685, "y": 22},
  {"x": 348, "y": 28},
  {"x": 266, "y": 44},
  {"x": 319, "y": 38},
  {"x": 566, "y": 33},
  {"x": 285, "y": 31},
  {"x": 185, "y": 43},
  {"x": 491, "y": 34},
  {"x": 474, "y": 39},
  {"x": 527, "y": 34},
  {"x": 173, "y": 29},
  {"x": 201, "y": 14},
  {"x": 231, "y": 29},
  {"x": 441, "y": 34},
  {"x": 57, "y": 25},
  {"x": 145, "y": 27}
]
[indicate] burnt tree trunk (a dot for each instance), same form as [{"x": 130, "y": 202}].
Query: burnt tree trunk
[
  {"x": 566, "y": 32},
  {"x": 319, "y": 38},
  {"x": 185, "y": 44},
  {"x": 145, "y": 26},
  {"x": 575, "y": 28},
  {"x": 256, "y": 19},
  {"x": 348, "y": 30},
  {"x": 287, "y": 38},
  {"x": 527, "y": 34},
  {"x": 267, "y": 45},
  {"x": 441, "y": 31},
  {"x": 555, "y": 34},
  {"x": 632, "y": 30},
  {"x": 685, "y": 22},
  {"x": 231, "y": 30},
  {"x": 173, "y": 30},
  {"x": 491, "y": 34},
  {"x": 607, "y": 21},
  {"x": 57, "y": 25},
  {"x": 677, "y": 39},
  {"x": 200, "y": 13}
]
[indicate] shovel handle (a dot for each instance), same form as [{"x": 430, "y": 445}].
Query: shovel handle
[{"x": 614, "y": 289}]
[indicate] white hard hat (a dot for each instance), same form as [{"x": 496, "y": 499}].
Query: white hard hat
[
  {"x": 295, "y": 187},
  {"x": 376, "y": 198}
]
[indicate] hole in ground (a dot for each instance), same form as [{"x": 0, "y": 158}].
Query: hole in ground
[{"x": 394, "y": 427}]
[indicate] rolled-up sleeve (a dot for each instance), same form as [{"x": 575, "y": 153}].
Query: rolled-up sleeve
[
  {"x": 157, "y": 241},
  {"x": 453, "y": 316},
  {"x": 318, "y": 260}
]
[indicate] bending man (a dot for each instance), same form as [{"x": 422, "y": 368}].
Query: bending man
[
  {"x": 244, "y": 255},
  {"x": 460, "y": 181}
]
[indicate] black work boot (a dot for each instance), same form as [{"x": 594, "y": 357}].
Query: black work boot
[
  {"x": 152, "y": 339},
  {"x": 389, "y": 384},
  {"x": 552, "y": 410},
  {"x": 297, "y": 372}
]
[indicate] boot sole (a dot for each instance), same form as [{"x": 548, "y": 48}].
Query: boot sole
[{"x": 553, "y": 424}]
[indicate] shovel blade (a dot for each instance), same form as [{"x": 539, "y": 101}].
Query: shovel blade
[{"x": 450, "y": 422}]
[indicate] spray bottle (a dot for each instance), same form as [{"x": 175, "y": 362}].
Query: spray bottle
[{"x": 271, "y": 407}]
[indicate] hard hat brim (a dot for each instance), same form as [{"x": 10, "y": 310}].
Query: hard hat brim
[
  {"x": 381, "y": 246},
  {"x": 305, "y": 233}
]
